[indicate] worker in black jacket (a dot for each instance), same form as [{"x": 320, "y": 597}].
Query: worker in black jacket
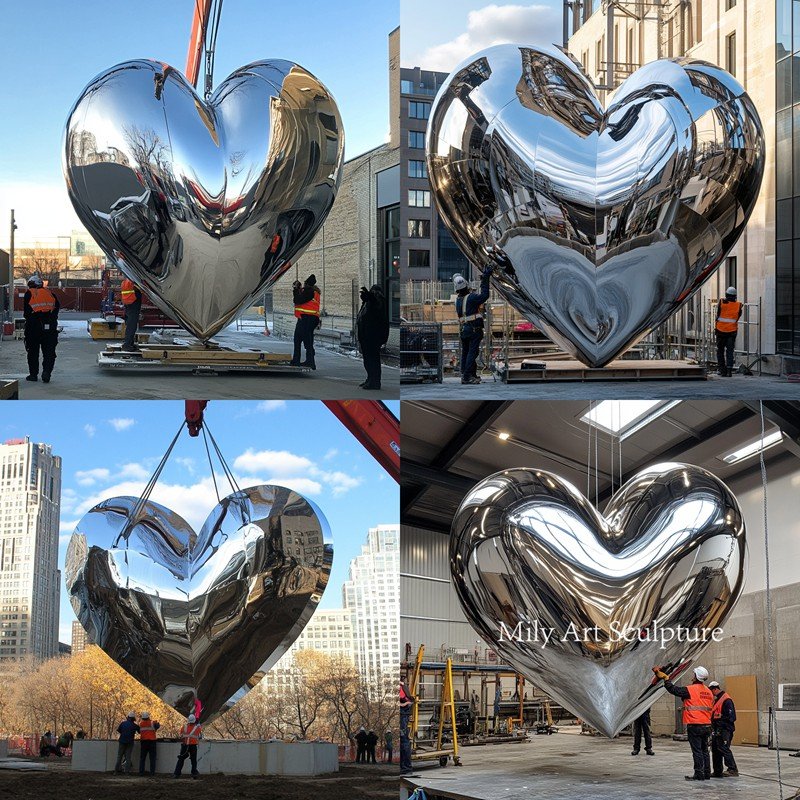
[
  {"x": 372, "y": 327},
  {"x": 307, "y": 309},
  {"x": 723, "y": 719},
  {"x": 40, "y": 309}
]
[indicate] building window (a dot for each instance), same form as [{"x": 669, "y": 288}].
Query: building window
[
  {"x": 730, "y": 53},
  {"x": 418, "y": 110},
  {"x": 391, "y": 259},
  {"x": 449, "y": 258},
  {"x": 416, "y": 140},
  {"x": 729, "y": 4},
  {"x": 407, "y": 87},
  {"x": 730, "y": 271},
  {"x": 419, "y": 228},
  {"x": 419, "y": 198},
  {"x": 417, "y": 169},
  {"x": 419, "y": 258}
]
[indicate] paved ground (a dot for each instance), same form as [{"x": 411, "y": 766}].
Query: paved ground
[
  {"x": 739, "y": 387},
  {"x": 77, "y": 376},
  {"x": 350, "y": 783},
  {"x": 573, "y": 767}
]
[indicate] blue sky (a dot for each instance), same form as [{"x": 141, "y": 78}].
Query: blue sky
[
  {"x": 439, "y": 35},
  {"x": 111, "y": 448},
  {"x": 51, "y": 49}
]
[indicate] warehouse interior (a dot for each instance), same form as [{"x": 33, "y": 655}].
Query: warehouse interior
[{"x": 449, "y": 447}]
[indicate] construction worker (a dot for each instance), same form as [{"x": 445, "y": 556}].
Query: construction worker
[
  {"x": 697, "y": 705},
  {"x": 641, "y": 727},
  {"x": 406, "y": 708},
  {"x": 361, "y": 743},
  {"x": 132, "y": 300},
  {"x": 190, "y": 734},
  {"x": 728, "y": 313},
  {"x": 127, "y": 730},
  {"x": 40, "y": 308},
  {"x": 388, "y": 745},
  {"x": 147, "y": 741},
  {"x": 372, "y": 328},
  {"x": 307, "y": 305},
  {"x": 470, "y": 321},
  {"x": 372, "y": 743},
  {"x": 723, "y": 717}
]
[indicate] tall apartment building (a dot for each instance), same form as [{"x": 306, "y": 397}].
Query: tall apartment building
[
  {"x": 330, "y": 631},
  {"x": 80, "y": 637},
  {"x": 30, "y": 581},
  {"x": 372, "y": 594},
  {"x": 427, "y": 251},
  {"x": 758, "y": 41}
]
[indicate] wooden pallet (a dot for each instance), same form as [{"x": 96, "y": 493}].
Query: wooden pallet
[
  {"x": 195, "y": 357},
  {"x": 535, "y": 371}
]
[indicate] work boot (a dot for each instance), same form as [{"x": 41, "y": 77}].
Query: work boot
[
  {"x": 693, "y": 778},
  {"x": 730, "y": 373},
  {"x": 130, "y": 349},
  {"x": 634, "y": 752},
  {"x": 732, "y": 773},
  {"x": 31, "y": 377},
  {"x": 45, "y": 377},
  {"x": 308, "y": 364},
  {"x": 372, "y": 387},
  {"x": 649, "y": 752},
  {"x": 714, "y": 775}
]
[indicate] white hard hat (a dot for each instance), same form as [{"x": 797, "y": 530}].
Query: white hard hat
[
  {"x": 145, "y": 715},
  {"x": 713, "y": 685},
  {"x": 460, "y": 282},
  {"x": 131, "y": 715},
  {"x": 731, "y": 290},
  {"x": 192, "y": 718},
  {"x": 701, "y": 673}
]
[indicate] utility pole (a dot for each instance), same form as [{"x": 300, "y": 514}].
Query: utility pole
[{"x": 11, "y": 248}]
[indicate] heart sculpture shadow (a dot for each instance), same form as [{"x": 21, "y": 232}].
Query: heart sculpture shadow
[
  {"x": 199, "y": 615},
  {"x": 528, "y": 549},
  {"x": 599, "y": 224},
  {"x": 203, "y": 204}
]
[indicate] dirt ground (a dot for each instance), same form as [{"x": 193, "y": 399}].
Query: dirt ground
[{"x": 59, "y": 783}]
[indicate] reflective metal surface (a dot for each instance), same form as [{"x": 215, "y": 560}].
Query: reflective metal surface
[
  {"x": 204, "y": 205},
  {"x": 669, "y": 550},
  {"x": 199, "y": 615},
  {"x": 600, "y": 224}
]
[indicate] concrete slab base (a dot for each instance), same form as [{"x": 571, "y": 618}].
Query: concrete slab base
[
  {"x": 566, "y": 767},
  {"x": 228, "y": 757}
]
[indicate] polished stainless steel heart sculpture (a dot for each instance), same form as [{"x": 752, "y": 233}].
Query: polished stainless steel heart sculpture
[
  {"x": 203, "y": 204},
  {"x": 599, "y": 224},
  {"x": 668, "y": 554},
  {"x": 199, "y": 615}
]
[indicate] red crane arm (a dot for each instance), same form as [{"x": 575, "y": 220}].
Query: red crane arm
[
  {"x": 195, "y": 55},
  {"x": 375, "y": 427},
  {"x": 194, "y": 415}
]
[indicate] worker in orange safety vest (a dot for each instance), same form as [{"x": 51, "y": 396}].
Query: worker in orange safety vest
[
  {"x": 698, "y": 702},
  {"x": 723, "y": 718},
  {"x": 40, "y": 308},
  {"x": 727, "y": 326},
  {"x": 307, "y": 306},
  {"x": 191, "y": 733},
  {"x": 132, "y": 300},
  {"x": 147, "y": 741}
]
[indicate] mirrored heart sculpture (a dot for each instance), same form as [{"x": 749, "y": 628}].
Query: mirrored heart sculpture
[
  {"x": 203, "y": 204},
  {"x": 599, "y": 224},
  {"x": 199, "y": 615},
  {"x": 584, "y": 604}
]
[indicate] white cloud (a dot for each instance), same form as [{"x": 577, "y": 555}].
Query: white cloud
[
  {"x": 132, "y": 470},
  {"x": 340, "y": 482},
  {"x": 89, "y": 477},
  {"x": 332, "y": 453},
  {"x": 275, "y": 462},
  {"x": 90, "y": 430},
  {"x": 491, "y": 25},
  {"x": 187, "y": 463},
  {"x": 271, "y": 405},
  {"x": 121, "y": 423}
]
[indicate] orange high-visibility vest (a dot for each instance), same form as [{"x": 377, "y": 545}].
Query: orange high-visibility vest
[
  {"x": 147, "y": 730},
  {"x": 42, "y": 301},
  {"x": 190, "y": 734},
  {"x": 128, "y": 292},
  {"x": 728, "y": 320},
  {"x": 311, "y": 307},
  {"x": 716, "y": 711},
  {"x": 697, "y": 707}
]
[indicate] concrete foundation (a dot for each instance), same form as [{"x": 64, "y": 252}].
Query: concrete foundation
[{"x": 214, "y": 757}]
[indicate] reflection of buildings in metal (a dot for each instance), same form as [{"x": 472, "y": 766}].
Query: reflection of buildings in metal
[
  {"x": 668, "y": 551},
  {"x": 216, "y": 182},
  {"x": 198, "y": 615},
  {"x": 610, "y": 219}
]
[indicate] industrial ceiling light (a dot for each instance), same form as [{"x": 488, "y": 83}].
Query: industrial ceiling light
[
  {"x": 623, "y": 418},
  {"x": 752, "y": 448},
  {"x": 503, "y": 435}
]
